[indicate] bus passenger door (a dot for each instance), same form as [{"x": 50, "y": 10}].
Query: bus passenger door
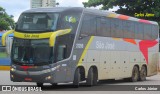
[
  {"x": 61, "y": 72},
  {"x": 62, "y": 52}
]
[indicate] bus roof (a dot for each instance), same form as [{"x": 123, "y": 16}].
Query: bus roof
[
  {"x": 118, "y": 16},
  {"x": 92, "y": 11},
  {"x": 54, "y": 9}
]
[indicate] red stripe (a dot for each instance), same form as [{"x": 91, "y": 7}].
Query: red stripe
[
  {"x": 144, "y": 21},
  {"x": 144, "y": 45},
  {"x": 123, "y": 17}
]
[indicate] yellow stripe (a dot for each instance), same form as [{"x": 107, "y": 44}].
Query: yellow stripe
[
  {"x": 4, "y": 37},
  {"x": 57, "y": 33},
  {"x": 32, "y": 35},
  {"x": 41, "y": 35},
  {"x": 116, "y": 38},
  {"x": 4, "y": 67},
  {"x": 51, "y": 35},
  {"x": 112, "y": 15},
  {"x": 85, "y": 50}
]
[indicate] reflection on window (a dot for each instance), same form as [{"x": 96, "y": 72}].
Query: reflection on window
[
  {"x": 70, "y": 20},
  {"x": 61, "y": 52},
  {"x": 37, "y": 21}
]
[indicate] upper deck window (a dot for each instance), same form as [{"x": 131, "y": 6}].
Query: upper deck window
[{"x": 37, "y": 22}]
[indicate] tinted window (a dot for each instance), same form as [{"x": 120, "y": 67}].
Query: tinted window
[
  {"x": 37, "y": 22},
  {"x": 155, "y": 32},
  {"x": 113, "y": 27},
  {"x": 103, "y": 26},
  {"x": 128, "y": 28},
  {"x": 147, "y": 31},
  {"x": 99, "y": 30},
  {"x": 139, "y": 28},
  {"x": 116, "y": 28},
  {"x": 70, "y": 20},
  {"x": 108, "y": 25},
  {"x": 88, "y": 25}
]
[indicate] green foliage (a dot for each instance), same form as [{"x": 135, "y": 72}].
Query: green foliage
[
  {"x": 5, "y": 20},
  {"x": 3, "y": 55},
  {"x": 130, "y": 7}
]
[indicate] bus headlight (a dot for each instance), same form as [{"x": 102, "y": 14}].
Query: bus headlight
[
  {"x": 48, "y": 77},
  {"x": 12, "y": 69}
]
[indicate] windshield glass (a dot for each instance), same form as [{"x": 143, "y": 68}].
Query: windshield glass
[
  {"x": 34, "y": 52},
  {"x": 37, "y": 22}
]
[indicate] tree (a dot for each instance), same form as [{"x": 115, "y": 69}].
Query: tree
[
  {"x": 6, "y": 21},
  {"x": 130, "y": 7}
]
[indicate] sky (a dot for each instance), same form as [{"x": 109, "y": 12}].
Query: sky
[{"x": 16, "y": 7}]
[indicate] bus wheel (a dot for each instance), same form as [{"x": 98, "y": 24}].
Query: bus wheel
[
  {"x": 39, "y": 84},
  {"x": 95, "y": 77},
  {"x": 90, "y": 78},
  {"x": 135, "y": 74},
  {"x": 143, "y": 73},
  {"x": 77, "y": 78}
]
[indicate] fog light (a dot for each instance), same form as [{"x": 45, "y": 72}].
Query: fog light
[
  {"x": 12, "y": 76},
  {"x": 48, "y": 77},
  {"x": 12, "y": 69}
]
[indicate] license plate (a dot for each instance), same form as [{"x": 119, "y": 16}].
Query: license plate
[{"x": 28, "y": 79}]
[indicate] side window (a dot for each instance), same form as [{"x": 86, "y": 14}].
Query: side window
[
  {"x": 113, "y": 27},
  {"x": 139, "y": 30},
  {"x": 103, "y": 26},
  {"x": 108, "y": 25},
  {"x": 99, "y": 29},
  {"x": 85, "y": 26},
  {"x": 155, "y": 32},
  {"x": 93, "y": 23},
  {"x": 116, "y": 28},
  {"x": 128, "y": 29},
  {"x": 147, "y": 32},
  {"x": 119, "y": 29},
  {"x": 88, "y": 25}
]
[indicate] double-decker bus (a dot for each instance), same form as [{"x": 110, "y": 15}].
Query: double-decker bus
[{"x": 71, "y": 44}]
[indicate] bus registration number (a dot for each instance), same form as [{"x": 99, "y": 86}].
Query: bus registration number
[{"x": 79, "y": 46}]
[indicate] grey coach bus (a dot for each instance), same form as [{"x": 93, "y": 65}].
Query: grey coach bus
[{"x": 58, "y": 45}]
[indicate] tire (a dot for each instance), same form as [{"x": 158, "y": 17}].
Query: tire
[
  {"x": 39, "y": 84},
  {"x": 77, "y": 78},
  {"x": 90, "y": 77},
  {"x": 143, "y": 73},
  {"x": 95, "y": 78},
  {"x": 135, "y": 74}
]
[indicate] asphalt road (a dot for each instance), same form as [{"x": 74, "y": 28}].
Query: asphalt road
[{"x": 104, "y": 87}]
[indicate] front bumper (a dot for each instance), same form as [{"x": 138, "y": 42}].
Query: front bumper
[{"x": 30, "y": 76}]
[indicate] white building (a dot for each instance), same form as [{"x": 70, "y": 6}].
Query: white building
[{"x": 42, "y": 3}]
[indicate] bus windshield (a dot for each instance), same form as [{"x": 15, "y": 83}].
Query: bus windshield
[
  {"x": 31, "y": 52},
  {"x": 37, "y": 22}
]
